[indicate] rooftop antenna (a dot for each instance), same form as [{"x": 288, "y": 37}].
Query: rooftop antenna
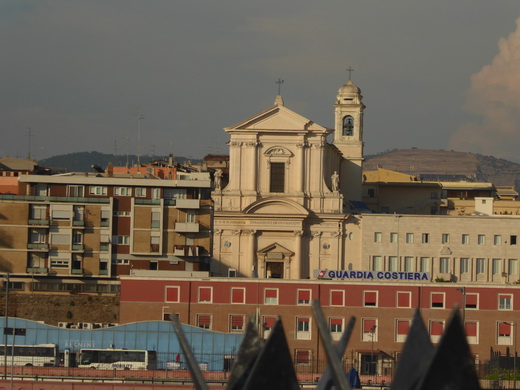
[
  {"x": 139, "y": 117},
  {"x": 350, "y": 70},
  {"x": 127, "y": 150},
  {"x": 29, "y": 135}
]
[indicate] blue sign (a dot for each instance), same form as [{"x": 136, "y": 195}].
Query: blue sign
[{"x": 380, "y": 275}]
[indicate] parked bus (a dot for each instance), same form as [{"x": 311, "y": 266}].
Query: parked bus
[
  {"x": 42, "y": 355},
  {"x": 123, "y": 359}
]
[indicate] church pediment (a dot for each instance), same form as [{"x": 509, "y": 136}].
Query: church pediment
[
  {"x": 278, "y": 118},
  {"x": 275, "y": 250},
  {"x": 276, "y": 206}
]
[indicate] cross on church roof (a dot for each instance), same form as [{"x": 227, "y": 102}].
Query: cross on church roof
[
  {"x": 279, "y": 82},
  {"x": 349, "y": 70}
]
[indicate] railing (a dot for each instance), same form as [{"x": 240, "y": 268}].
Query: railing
[
  {"x": 38, "y": 246},
  {"x": 54, "y": 199},
  {"x": 45, "y": 222},
  {"x": 187, "y": 227},
  {"x": 186, "y": 250},
  {"x": 33, "y": 270}
]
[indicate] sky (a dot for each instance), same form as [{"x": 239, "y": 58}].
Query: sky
[{"x": 434, "y": 74}]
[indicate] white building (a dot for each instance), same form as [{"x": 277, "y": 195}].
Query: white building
[{"x": 283, "y": 213}]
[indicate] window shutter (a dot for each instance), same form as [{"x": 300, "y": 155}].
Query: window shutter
[
  {"x": 204, "y": 320},
  {"x": 504, "y": 329},
  {"x": 172, "y": 294},
  {"x": 437, "y": 328},
  {"x": 402, "y": 327},
  {"x": 336, "y": 321},
  {"x": 204, "y": 294},
  {"x": 471, "y": 329},
  {"x": 368, "y": 325},
  {"x": 370, "y": 298},
  {"x": 237, "y": 295},
  {"x": 403, "y": 299},
  {"x": 304, "y": 295},
  {"x": 336, "y": 298},
  {"x": 270, "y": 293}
]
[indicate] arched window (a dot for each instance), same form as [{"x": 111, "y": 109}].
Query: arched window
[{"x": 348, "y": 126}]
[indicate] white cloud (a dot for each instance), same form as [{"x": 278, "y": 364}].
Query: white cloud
[{"x": 494, "y": 96}]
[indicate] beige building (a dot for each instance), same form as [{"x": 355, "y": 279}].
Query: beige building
[{"x": 283, "y": 213}]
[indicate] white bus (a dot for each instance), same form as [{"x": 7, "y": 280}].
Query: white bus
[
  {"x": 122, "y": 359},
  {"x": 41, "y": 355}
]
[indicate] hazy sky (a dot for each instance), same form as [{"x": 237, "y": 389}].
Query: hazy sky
[{"x": 437, "y": 74}]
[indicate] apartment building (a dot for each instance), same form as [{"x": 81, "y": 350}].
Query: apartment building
[
  {"x": 78, "y": 232},
  {"x": 383, "y": 312}
]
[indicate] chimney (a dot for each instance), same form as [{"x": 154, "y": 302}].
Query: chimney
[{"x": 110, "y": 170}]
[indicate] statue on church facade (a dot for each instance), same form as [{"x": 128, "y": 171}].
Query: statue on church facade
[{"x": 335, "y": 181}]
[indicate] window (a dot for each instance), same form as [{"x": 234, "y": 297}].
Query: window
[
  {"x": 140, "y": 192},
  {"x": 123, "y": 191},
  {"x": 497, "y": 266},
  {"x": 121, "y": 240},
  {"x": 369, "y": 329},
  {"x": 204, "y": 321},
  {"x": 277, "y": 176},
  {"x": 156, "y": 219},
  {"x": 77, "y": 237},
  {"x": 436, "y": 329},
  {"x": 303, "y": 328},
  {"x": 464, "y": 265},
  {"x": 409, "y": 238},
  {"x": 191, "y": 217},
  {"x": 377, "y": 264},
  {"x": 437, "y": 300},
  {"x": 512, "y": 267},
  {"x": 302, "y": 356},
  {"x": 205, "y": 294},
  {"x": 401, "y": 330},
  {"x": 424, "y": 264},
  {"x": 76, "y": 191},
  {"x": 393, "y": 237},
  {"x": 59, "y": 263},
  {"x": 271, "y": 296},
  {"x": 155, "y": 241},
  {"x": 497, "y": 239},
  {"x": 512, "y": 240},
  {"x": 404, "y": 299},
  {"x": 471, "y": 300},
  {"x": 481, "y": 266},
  {"x": 444, "y": 265},
  {"x": 156, "y": 193},
  {"x": 504, "y": 333},
  {"x": 348, "y": 126},
  {"x": 236, "y": 323},
  {"x": 393, "y": 263},
  {"x": 98, "y": 190},
  {"x": 304, "y": 297},
  {"x": 504, "y": 302},
  {"x": 268, "y": 323},
  {"x": 377, "y": 236},
  {"x": 370, "y": 298},
  {"x": 481, "y": 239},
  {"x": 425, "y": 238},
  {"x": 445, "y": 238},
  {"x": 471, "y": 328},
  {"x": 171, "y": 193},
  {"x": 238, "y": 295},
  {"x": 61, "y": 212},
  {"x": 336, "y": 327},
  {"x": 337, "y": 298},
  {"x": 37, "y": 236},
  {"x": 408, "y": 264},
  {"x": 465, "y": 239},
  {"x": 172, "y": 294},
  {"x": 38, "y": 212}
]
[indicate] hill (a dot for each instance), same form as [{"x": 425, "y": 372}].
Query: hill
[
  {"x": 83, "y": 161},
  {"x": 423, "y": 161}
]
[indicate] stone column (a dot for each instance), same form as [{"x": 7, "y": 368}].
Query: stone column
[
  {"x": 296, "y": 268},
  {"x": 300, "y": 159},
  {"x": 251, "y": 260}
]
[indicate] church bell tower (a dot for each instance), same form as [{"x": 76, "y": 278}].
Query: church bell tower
[{"x": 348, "y": 138}]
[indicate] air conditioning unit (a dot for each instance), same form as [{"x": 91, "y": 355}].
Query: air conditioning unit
[
  {"x": 73, "y": 326},
  {"x": 112, "y": 324},
  {"x": 86, "y": 325},
  {"x": 62, "y": 324},
  {"x": 97, "y": 325}
]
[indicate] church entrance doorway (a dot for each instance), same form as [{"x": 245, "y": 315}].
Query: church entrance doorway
[{"x": 274, "y": 269}]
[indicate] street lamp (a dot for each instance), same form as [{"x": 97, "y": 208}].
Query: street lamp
[{"x": 372, "y": 332}]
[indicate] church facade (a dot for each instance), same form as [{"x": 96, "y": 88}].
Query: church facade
[{"x": 284, "y": 212}]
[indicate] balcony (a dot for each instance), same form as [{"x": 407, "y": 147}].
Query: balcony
[
  {"x": 105, "y": 223},
  {"x": 186, "y": 250},
  {"x": 104, "y": 247},
  {"x": 78, "y": 223},
  {"x": 187, "y": 203},
  {"x": 44, "y": 222},
  {"x": 77, "y": 271},
  {"x": 103, "y": 272},
  {"x": 187, "y": 227},
  {"x": 37, "y": 246},
  {"x": 32, "y": 270},
  {"x": 78, "y": 247}
]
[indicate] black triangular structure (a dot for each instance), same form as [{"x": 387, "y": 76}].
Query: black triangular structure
[
  {"x": 248, "y": 352},
  {"x": 273, "y": 369},
  {"x": 452, "y": 365},
  {"x": 416, "y": 356}
]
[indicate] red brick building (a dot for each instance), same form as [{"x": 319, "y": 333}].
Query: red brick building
[{"x": 383, "y": 312}]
